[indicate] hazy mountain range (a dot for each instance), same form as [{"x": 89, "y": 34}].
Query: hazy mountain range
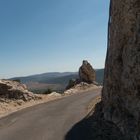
[{"x": 53, "y": 80}]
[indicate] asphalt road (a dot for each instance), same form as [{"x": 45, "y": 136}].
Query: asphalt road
[{"x": 48, "y": 121}]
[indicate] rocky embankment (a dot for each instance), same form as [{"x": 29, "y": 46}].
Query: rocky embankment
[
  {"x": 81, "y": 87},
  {"x": 15, "y": 96},
  {"x": 13, "y": 90}
]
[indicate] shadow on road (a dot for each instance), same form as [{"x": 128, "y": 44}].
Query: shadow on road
[
  {"x": 80, "y": 131},
  {"x": 94, "y": 127}
]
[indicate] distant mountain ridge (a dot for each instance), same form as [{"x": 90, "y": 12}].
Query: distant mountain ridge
[
  {"x": 43, "y": 77},
  {"x": 54, "y": 80}
]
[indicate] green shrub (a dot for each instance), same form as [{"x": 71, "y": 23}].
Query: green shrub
[
  {"x": 17, "y": 80},
  {"x": 72, "y": 83},
  {"x": 48, "y": 91}
]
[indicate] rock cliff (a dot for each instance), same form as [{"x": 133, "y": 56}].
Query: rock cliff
[{"x": 121, "y": 92}]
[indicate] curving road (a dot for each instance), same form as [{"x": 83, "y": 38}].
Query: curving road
[{"x": 48, "y": 121}]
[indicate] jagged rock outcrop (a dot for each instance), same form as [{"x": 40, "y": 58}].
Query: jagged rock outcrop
[
  {"x": 87, "y": 73},
  {"x": 15, "y": 90},
  {"x": 121, "y": 92}
]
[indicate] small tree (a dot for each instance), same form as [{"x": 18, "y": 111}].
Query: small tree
[
  {"x": 72, "y": 83},
  {"x": 48, "y": 91},
  {"x": 17, "y": 80}
]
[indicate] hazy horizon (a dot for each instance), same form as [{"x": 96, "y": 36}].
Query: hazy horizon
[{"x": 39, "y": 36}]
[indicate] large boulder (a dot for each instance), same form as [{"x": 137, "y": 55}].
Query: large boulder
[
  {"x": 15, "y": 90},
  {"x": 87, "y": 73}
]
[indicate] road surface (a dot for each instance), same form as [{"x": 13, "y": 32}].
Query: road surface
[{"x": 48, "y": 121}]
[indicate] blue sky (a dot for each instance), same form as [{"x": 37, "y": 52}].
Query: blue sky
[{"x": 38, "y": 36}]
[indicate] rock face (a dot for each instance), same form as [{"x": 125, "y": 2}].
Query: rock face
[
  {"x": 87, "y": 73},
  {"x": 15, "y": 90},
  {"x": 121, "y": 92}
]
